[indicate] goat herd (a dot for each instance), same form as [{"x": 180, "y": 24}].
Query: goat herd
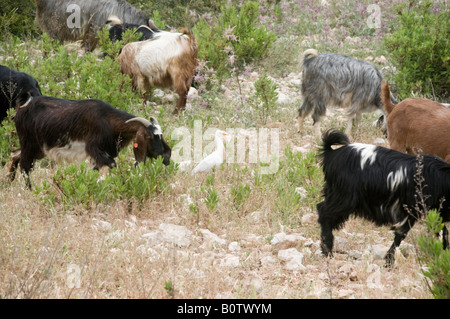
[{"x": 363, "y": 180}]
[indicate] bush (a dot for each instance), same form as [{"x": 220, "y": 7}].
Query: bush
[
  {"x": 265, "y": 97},
  {"x": 436, "y": 259},
  {"x": 80, "y": 185},
  {"x": 17, "y": 18},
  {"x": 421, "y": 51},
  {"x": 236, "y": 39}
]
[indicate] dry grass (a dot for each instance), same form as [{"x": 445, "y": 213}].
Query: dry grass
[{"x": 104, "y": 252}]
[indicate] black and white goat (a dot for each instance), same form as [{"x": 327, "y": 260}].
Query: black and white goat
[
  {"x": 117, "y": 28},
  {"x": 379, "y": 185},
  {"x": 72, "y": 131}
]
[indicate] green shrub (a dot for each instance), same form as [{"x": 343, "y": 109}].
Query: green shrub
[
  {"x": 81, "y": 185},
  {"x": 17, "y": 19},
  {"x": 240, "y": 194},
  {"x": 421, "y": 51},
  {"x": 436, "y": 259},
  {"x": 8, "y": 137},
  {"x": 211, "y": 199},
  {"x": 235, "y": 39},
  {"x": 265, "y": 97}
]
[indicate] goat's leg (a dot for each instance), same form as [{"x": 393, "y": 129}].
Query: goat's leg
[
  {"x": 26, "y": 167},
  {"x": 182, "y": 91},
  {"x": 389, "y": 258},
  {"x": 353, "y": 121},
  {"x": 326, "y": 236},
  {"x": 303, "y": 112},
  {"x": 445, "y": 237},
  {"x": 13, "y": 167}
]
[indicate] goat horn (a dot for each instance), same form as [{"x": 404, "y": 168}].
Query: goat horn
[
  {"x": 154, "y": 120},
  {"x": 146, "y": 122}
]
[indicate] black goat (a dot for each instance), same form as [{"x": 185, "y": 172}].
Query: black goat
[
  {"x": 15, "y": 89},
  {"x": 75, "y": 130},
  {"x": 117, "y": 28},
  {"x": 378, "y": 184}
]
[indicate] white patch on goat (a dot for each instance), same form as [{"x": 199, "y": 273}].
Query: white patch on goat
[
  {"x": 72, "y": 152},
  {"x": 158, "y": 130},
  {"x": 396, "y": 178},
  {"x": 154, "y": 55},
  {"x": 367, "y": 152}
]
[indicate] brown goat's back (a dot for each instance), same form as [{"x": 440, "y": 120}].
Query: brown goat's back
[{"x": 418, "y": 125}]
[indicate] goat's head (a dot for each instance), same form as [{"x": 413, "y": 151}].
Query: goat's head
[{"x": 149, "y": 141}]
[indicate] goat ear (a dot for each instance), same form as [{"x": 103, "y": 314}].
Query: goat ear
[{"x": 140, "y": 147}]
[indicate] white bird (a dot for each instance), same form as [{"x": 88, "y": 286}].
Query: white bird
[{"x": 216, "y": 157}]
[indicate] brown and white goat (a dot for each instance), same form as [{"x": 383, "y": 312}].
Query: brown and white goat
[
  {"x": 168, "y": 59},
  {"x": 417, "y": 125},
  {"x": 72, "y": 131}
]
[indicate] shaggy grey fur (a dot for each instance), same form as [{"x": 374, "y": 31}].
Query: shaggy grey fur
[
  {"x": 52, "y": 17},
  {"x": 335, "y": 79}
]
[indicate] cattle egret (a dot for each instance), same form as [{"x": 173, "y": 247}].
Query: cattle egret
[{"x": 216, "y": 157}]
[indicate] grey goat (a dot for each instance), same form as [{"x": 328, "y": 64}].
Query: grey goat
[{"x": 339, "y": 80}]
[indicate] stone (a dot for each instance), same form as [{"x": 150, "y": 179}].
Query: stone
[
  {"x": 212, "y": 239},
  {"x": 229, "y": 261},
  {"x": 378, "y": 251},
  {"x": 293, "y": 259},
  {"x": 175, "y": 234}
]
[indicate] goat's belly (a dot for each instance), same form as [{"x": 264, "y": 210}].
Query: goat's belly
[{"x": 72, "y": 152}]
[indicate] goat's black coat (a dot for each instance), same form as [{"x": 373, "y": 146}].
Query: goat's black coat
[
  {"x": 116, "y": 31},
  {"x": 15, "y": 89},
  {"x": 46, "y": 123},
  {"x": 382, "y": 191}
]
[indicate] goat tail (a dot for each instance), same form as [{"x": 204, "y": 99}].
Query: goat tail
[
  {"x": 113, "y": 20},
  {"x": 386, "y": 98},
  {"x": 308, "y": 54},
  {"x": 333, "y": 137},
  {"x": 192, "y": 40}
]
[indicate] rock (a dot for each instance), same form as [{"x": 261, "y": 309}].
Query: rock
[
  {"x": 175, "y": 234},
  {"x": 234, "y": 246},
  {"x": 283, "y": 99},
  {"x": 295, "y": 82},
  {"x": 345, "y": 293},
  {"x": 256, "y": 284},
  {"x": 101, "y": 224},
  {"x": 301, "y": 191},
  {"x": 158, "y": 93},
  {"x": 309, "y": 218},
  {"x": 211, "y": 239},
  {"x": 229, "y": 261},
  {"x": 268, "y": 261},
  {"x": 281, "y": 237},
  {"x": 293, "y": 259},
  {"x": 378, "y": 251},
  {"x": 193, "y": 93},
  {"x": 381, "y": 60}
]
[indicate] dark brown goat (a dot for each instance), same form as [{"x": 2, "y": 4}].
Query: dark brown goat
[{"x": 76, "y": 130}]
